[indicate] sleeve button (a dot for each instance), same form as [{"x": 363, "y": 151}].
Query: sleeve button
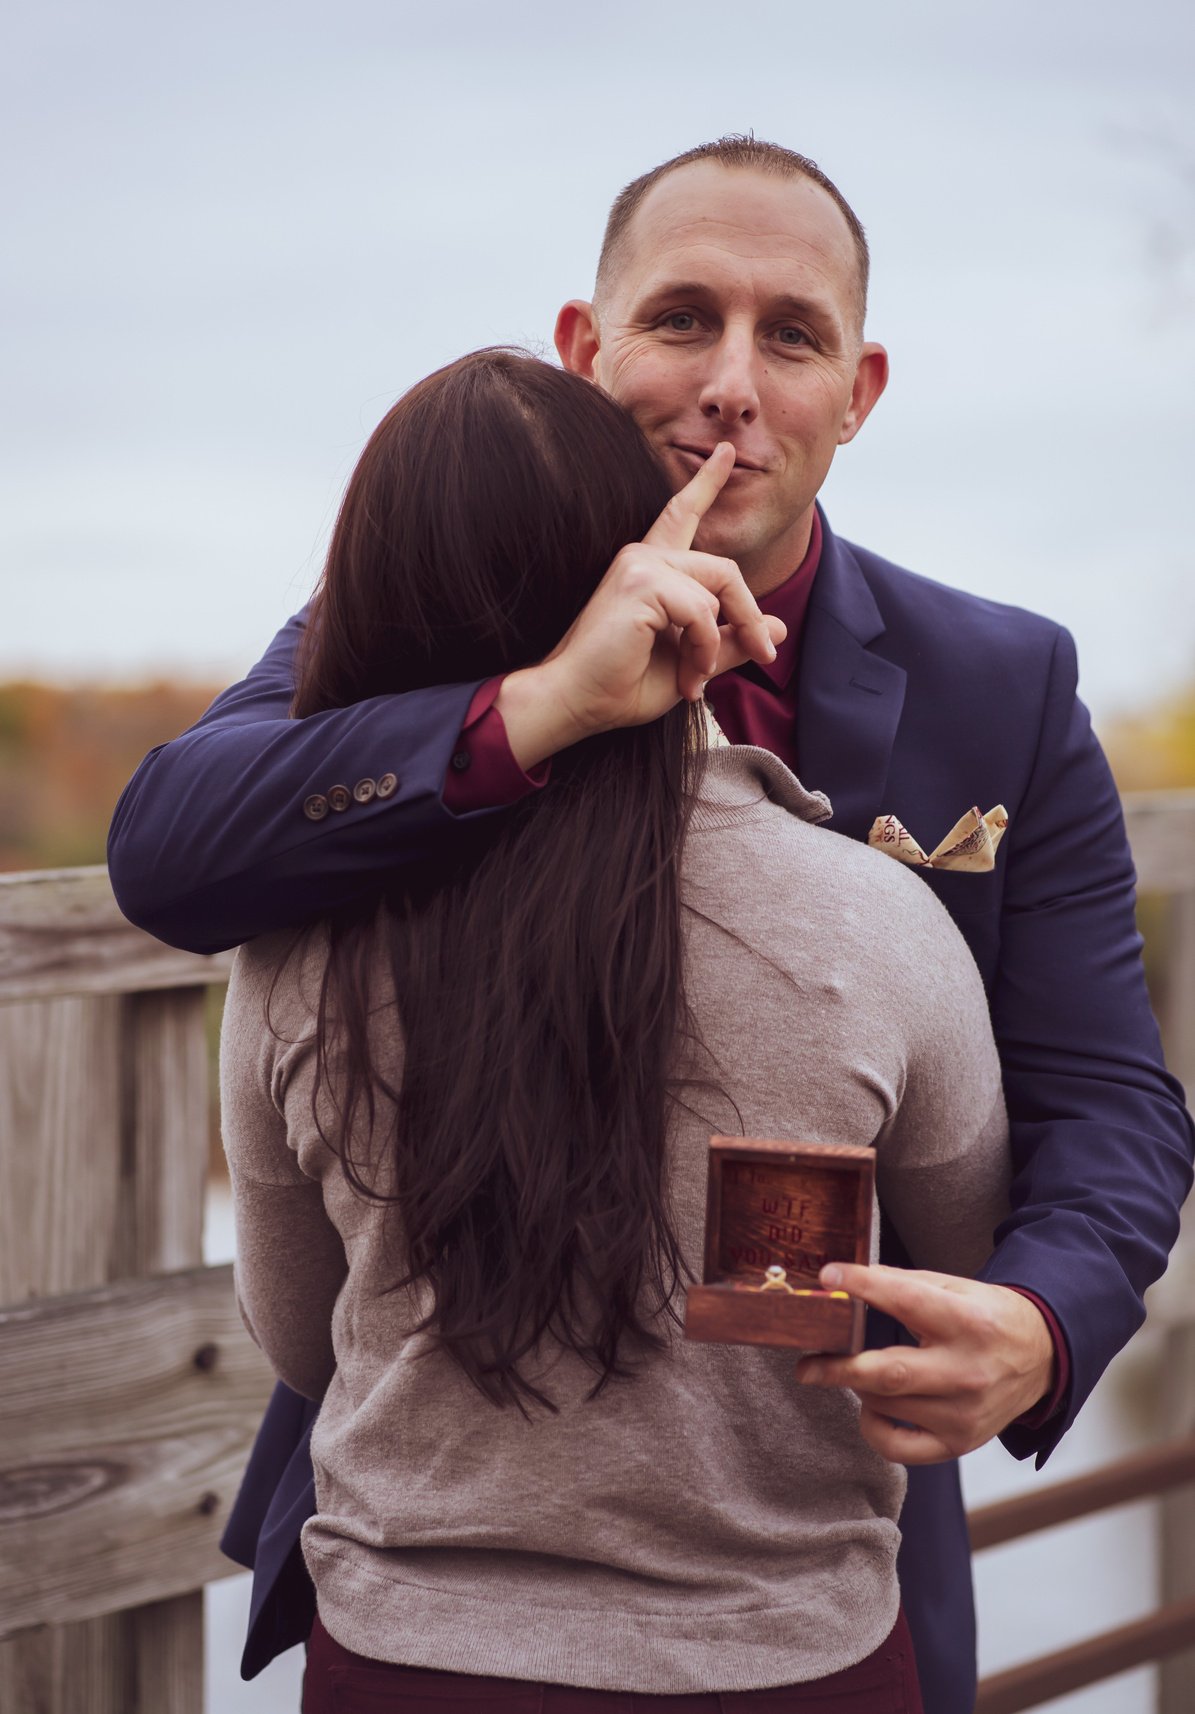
[
  {"x": 315, "y": 808},
  {"x": 339, "y": 797},
  {"x": 364, "y": 790},
  {"x": 387, "y": 785},
  {"x": 462, "y": 761}
]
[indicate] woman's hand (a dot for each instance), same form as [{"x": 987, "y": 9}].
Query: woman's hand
[{"x": 663, "y": 620}]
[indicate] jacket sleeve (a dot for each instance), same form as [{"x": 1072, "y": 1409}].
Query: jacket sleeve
[
  {"x": 1101, "y": 1140},
  {"x": 210, "y": 844}
]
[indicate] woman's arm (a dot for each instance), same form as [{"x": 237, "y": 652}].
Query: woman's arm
[
  {"x": 290, "y": 1261},
  {"x": 943, "y": 1163}
]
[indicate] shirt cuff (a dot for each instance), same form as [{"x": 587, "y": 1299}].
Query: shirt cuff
[
  {"x": 1051, "y": 1404},
  {"x": 482, "y": 772}
]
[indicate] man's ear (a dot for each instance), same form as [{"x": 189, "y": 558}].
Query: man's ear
[
  {"x": 871, "y": 377},
  {"x": 578, "y": 338}
]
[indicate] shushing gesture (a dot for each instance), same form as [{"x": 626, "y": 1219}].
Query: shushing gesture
[{"x": 663, "y": 620}]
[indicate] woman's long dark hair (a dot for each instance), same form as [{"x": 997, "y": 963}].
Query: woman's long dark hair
[{"x": 537, "y": 970}]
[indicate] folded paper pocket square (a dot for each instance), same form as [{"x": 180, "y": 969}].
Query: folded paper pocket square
[{"x": 970, "y": 846}]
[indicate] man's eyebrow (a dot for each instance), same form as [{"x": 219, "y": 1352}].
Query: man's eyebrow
[
  {"x": 809, "y": 309},
  {"x": 696, "y": 291}
]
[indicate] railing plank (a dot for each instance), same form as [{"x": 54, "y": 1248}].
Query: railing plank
[
  {"x": 61, "y": 1123},
  {"x": 1129, "y": 1646},
  {"x": 1137, "y": 1477},
  {"x": 61, "y": 932},
  {"x": 126, "y": 1417},
  {"x": 103, "y": 1150},
  {"x": 167, "y": 1115}
]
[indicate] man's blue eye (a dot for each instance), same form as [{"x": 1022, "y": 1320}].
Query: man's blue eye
[
  {"x": 791, "y": 336},
  {"x": 678, "y": 316}
]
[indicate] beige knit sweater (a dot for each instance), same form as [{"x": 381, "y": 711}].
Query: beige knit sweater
[{"x": 708, "y": 1525}]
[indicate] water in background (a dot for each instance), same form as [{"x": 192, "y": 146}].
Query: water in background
[{"x": 1033, "y": 1596}]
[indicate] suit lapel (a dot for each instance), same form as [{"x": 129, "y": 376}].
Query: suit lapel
[{"x": 849, "y": 700}]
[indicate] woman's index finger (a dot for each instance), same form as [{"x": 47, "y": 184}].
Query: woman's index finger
[{"x": 677, "y": 523}]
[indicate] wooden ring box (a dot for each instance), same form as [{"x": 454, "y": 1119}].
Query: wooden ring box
[{"x": 795, "y": 1205}]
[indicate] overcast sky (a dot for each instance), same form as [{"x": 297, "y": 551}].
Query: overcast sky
[{"x": 234, "y": 233}]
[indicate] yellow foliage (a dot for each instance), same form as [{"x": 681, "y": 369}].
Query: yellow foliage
[{"x": 1154, "y": 749}]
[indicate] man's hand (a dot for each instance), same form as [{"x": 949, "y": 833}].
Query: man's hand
[
  {"x": 662, "y": 621},
  {"x": 985, "y": 1356}
]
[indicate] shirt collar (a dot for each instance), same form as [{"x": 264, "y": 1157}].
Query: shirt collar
[{"x": 789, "y": 603}]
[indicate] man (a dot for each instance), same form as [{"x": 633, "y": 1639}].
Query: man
[{"x": 729, "y": 309}]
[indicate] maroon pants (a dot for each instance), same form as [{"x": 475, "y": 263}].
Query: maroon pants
[{"x": 340, "y": 1682}]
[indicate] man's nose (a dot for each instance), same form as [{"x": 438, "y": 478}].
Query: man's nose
[{"x": 730, "y": 390}]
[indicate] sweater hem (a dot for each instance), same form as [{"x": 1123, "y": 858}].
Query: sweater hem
[{"x": 761, "y": 1648}]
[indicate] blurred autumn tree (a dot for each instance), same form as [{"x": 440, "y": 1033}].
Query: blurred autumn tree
[
  {"x": 1155, "y": 748},
  {"x": 65, "y": 755}
]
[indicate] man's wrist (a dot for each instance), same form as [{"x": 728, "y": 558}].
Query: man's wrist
[
  {"x": 1049, "y": 1398},
  {"x": 538, "y": 722}
]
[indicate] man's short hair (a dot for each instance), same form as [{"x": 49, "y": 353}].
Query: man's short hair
[{"x": 733, "y": 151}]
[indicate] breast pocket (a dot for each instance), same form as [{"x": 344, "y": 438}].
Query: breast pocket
[{"x": 966, "y": 897}]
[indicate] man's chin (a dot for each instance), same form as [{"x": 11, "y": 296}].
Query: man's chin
[{"x": 725, "y": 537}]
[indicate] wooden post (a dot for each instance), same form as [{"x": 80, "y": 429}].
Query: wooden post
[
  {"x": 103, "y": 1151},
  {"x": 103, "y": 1148},
  {"x": 1176, "y": 1676}
]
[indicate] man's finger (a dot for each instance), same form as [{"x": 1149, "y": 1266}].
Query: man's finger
[
  {"x": 933, "y": 1306},
  {"x": 756, "y": 632},
  {"x": 901, "y": 1445},
  {"x": 730, "y": 650},
  {"x": 891, "y": 1372},
  {"x": 955, "y": 1426},
  {"x": 677, "y": 523}
]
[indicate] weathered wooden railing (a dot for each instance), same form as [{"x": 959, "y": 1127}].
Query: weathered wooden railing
[
  {"x": 129, "y": 1392},
  {"x": 1143, "y": 1475}
]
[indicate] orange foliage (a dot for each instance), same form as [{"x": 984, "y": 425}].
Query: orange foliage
[{"x": 65, "y": 755}]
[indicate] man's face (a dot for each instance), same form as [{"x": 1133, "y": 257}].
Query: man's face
[{"x": 733, "y": 314}]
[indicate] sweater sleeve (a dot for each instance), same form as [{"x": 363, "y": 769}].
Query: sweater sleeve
[
  {"x": 942, "y": 1161},
  {"x": 290, "y": 1260}
]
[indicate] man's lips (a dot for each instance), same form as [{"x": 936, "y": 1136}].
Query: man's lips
[{"x": 697, "y": 456}]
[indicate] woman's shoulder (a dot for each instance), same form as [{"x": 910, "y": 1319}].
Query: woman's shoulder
[
  {"x": 280, "y": 975},
  {"x": 760, "y": 848}
]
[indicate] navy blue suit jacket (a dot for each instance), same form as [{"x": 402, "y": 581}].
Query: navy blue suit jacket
[{"x": 914, "y": 699}]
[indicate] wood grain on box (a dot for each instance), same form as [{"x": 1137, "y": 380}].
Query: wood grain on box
[{"x": 782, "y": 1204}]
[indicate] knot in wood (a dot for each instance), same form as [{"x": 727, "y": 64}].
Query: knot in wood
[{"x": 205, "y": 1358}]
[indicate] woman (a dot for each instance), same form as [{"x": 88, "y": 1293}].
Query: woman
[{"x": 467, "y": 1124}]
